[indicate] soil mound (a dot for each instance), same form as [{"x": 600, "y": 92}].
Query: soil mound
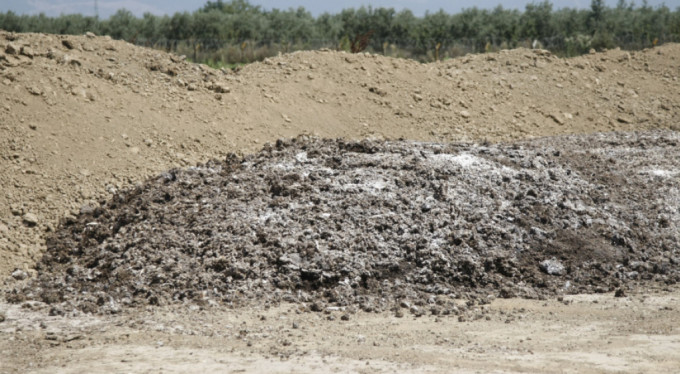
[
  {"x": 86, "y": 116},
  {"x": 376, "y": 224}
]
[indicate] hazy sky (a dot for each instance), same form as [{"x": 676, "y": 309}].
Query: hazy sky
[{"x": 419, "y": 7}]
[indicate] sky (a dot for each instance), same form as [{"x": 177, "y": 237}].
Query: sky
[{"x": 159, "y": 7}]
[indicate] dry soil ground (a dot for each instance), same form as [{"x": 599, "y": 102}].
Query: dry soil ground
[
  {"x": 581, "y": 334},
  {"x": 84, "y": 117}
]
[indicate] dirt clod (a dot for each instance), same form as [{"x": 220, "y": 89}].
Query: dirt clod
[
  {"x": 19, "y": 274},
  {"x": 68, "y": 43},
  {"x": 30, "y": 219}
]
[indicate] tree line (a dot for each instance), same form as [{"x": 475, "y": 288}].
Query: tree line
[{"x": 237, "y": 31}]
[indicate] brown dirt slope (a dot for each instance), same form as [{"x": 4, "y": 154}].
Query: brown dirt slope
[{"x": 83, "y": 116}]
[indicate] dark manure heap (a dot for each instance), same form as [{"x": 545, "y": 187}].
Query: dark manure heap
[{"x": 376, "y": 225}]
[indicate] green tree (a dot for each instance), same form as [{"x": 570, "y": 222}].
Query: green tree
[
  {"x": 294, "y": 25},
  {"x": 537, "y": 21},
  {"x": 329, "y": 27},
  {"x": 596, "y": 16},
  {"x": 150, "y": 26},
  {"x": 220, "y": 25},
  {"x": 10, "y": 21},
  {"x": 121, "y": 25},
  {"x": 404, "y": 27}
]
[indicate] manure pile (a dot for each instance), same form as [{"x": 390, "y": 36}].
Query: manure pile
[{"x": 374, "y": 225}]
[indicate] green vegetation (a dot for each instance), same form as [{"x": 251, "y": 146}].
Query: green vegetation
[{"x": 229, "y": 32}]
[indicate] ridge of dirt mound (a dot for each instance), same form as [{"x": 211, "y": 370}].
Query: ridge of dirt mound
[
  {"x": 85, "y": 116},
  {"x": 376, "y": 224}
]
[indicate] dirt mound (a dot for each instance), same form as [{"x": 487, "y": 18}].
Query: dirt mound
[
  {"x": 377, "y": 224},
  {"x": 84, "y": 116}
]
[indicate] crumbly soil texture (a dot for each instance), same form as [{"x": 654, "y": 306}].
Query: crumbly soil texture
[
  {"x": 85, "y": 120},
  {"x": 377, "y": 225},
  {"x": 82, "y": 117}
]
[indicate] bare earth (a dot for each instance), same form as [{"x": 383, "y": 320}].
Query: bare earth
[
  {"x": 84, "y": 117},
  {"x": 581, "y": 334}
]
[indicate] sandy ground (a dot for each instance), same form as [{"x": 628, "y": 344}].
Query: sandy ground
[
  {"x": 82, "y": 117},
  {"x": 579, "y": 334}
]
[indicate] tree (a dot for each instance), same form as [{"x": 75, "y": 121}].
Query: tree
[
  {"x": 11, "y": 22},
  {"x": 537, "y": 21},
  {"x": 596, "y": 16},
  {"x": 294, "y": 25},
  {"x": 122, "y": 25},
  {"x": 404, "y": 26},
  {"x": 329, "y": 27},
  {"x": 220, "y": 25}
]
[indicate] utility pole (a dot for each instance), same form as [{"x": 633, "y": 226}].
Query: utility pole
[{"x": 96, "y": 9}]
